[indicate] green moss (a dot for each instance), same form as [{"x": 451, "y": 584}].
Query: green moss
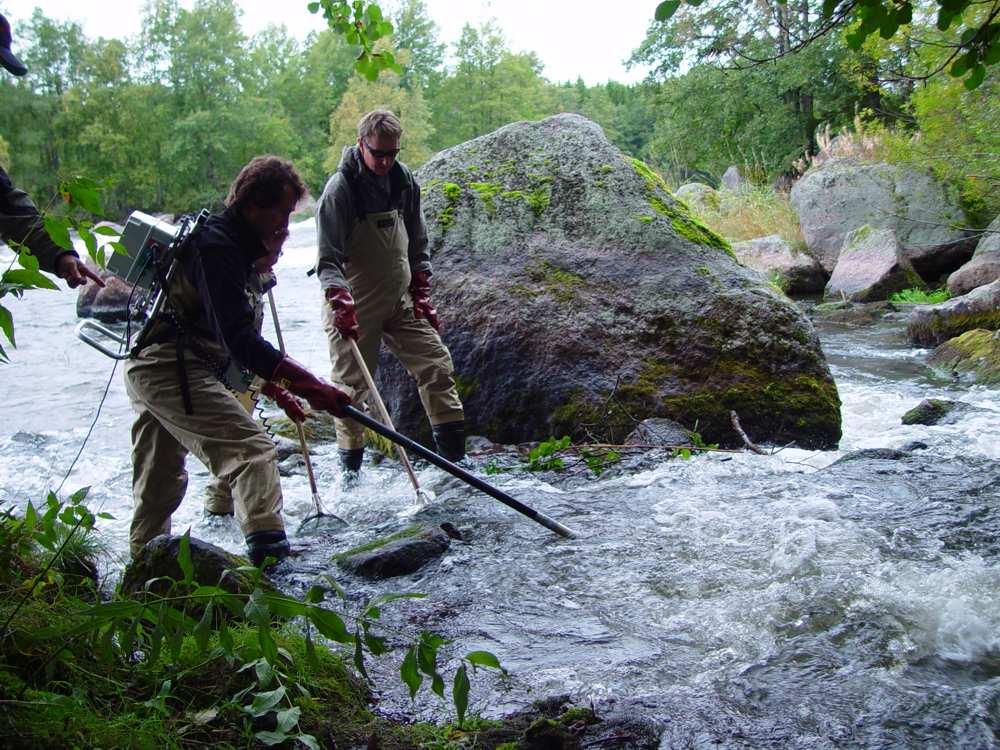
[
  {"x": 644, "y": 218},
  {"x": 539, "y": 199},
  {"x": 936, "y": 329},
  {"x": 466, "y": 387},
  {"x": 578, "y": 714},
  {"x": 703, "y": 271},
  {"x": 378, "y": 543},
  {"x": 681, "y": 219},
  {"x": 452, "y": 193},
  {"x": 487, "y": 191},
  {"x": 383, "y": 445},
  {"x": 858, "y": 236},
  {"x": 604, "y": 169},
  {"x": 803, "y": 407},
  {"x": 976, "y": 352},
  {"x": 562, "y": 285},
  {"x": 523, "y": 290}
]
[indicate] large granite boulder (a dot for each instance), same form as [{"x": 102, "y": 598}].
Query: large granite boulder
[
  {"x": 793, "y": 269},
  {"x": 734, "y": 179},
  {"x": 845, "y": 193},
  {"x": 984, "y": 267},
  {"x": 579, "y": 297},
  {"x": 871, "y": 266},
  {"x": 700, "y": 198},
  {"x": 931, "y": 325},
  {"x": 975, "y": 353}
]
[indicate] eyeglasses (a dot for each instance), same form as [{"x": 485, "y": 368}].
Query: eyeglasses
[{"x": 389, "y": 153}]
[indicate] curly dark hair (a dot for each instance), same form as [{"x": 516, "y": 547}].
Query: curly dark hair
[{"x": 262, "y": 183}]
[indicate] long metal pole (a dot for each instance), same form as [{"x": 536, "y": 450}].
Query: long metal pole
[
  {"x": 384, "y": 413},
  {"x": 457, "y": 471}
]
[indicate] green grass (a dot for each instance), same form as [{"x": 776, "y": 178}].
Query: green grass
[{"x": 920, "y": 296}]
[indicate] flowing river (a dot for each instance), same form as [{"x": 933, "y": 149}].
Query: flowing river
[{"x": 730, "y": 600}]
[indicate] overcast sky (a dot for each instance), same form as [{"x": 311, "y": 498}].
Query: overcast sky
[{"x": 571, "y": 37}]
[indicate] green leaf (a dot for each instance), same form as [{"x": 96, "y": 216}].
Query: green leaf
[
  {"x": 283, "y": 606},
  {"x": 829, "y": 6},
  {"x": 7, "y": 325},
  {"x": 330, "y": 625},
  {"x": 271, "y": 738},
  {"x": 27, "y": 259},
  {"x": 460, "y": 693},
  {"x": 28, "y": 279},
  {"x": 184, "y": 557},
  {"x": 118, "y": 248},
  {"x": 437, "y": 685},
  {"x": 315, "y": 595},
  {"x": 484, "y": 659},
  {"x": 225, "y": 637},
  {"x": 83, "y": 192},
  {"x": 264, "y": 672},
  {"x": 666, "y": 9},
  {"x": 376, "y": 644},
  {"x": 265, "y": 701},
  {"x": 268, "y": 648},
  {"x": 410, "y": 673},
  {"x": 313, "y": 7},
  {"x": 288, "y": 718},
  {"x": 107, "y": 231},
  {"x": 359, "y": 657},
  {"x": 203, "y": 630},
  {"x": 89, "y": 240},
  {"x": 976, "y": 77},
  {"x": 992, "y": 56},
  {"x": 308, "y": 740},
  {"x": 58, "y": 231}
]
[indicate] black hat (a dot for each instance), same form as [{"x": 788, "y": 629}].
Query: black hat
[{"x": 7, "y": 57}]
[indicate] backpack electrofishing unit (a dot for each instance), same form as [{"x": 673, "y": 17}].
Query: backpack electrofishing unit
[{"x": 153, "y": 259}]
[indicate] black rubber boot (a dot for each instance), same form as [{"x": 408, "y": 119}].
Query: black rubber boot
[
  {"x": 351, "y": 458},
  {"x": 450, "y": 440},
  {"x": 264, "y": 544}
]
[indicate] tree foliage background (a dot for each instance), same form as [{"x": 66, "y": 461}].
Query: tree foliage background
[{"x": 167, "y": 118}]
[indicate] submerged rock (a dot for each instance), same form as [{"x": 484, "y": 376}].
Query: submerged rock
[
  {"x": 853, "y": 313},
  {"x": 975, "y": 352},
  {"x": 792, "y": 269},
  {"x": 931, "y": 325},
  {"x": 398, "y": 555},
  {"x": 871, "y": 266},
  {"x": 577, "y": 295},
  {"x": 845, "y": 193},
  {"x": 933, "y": 411}
]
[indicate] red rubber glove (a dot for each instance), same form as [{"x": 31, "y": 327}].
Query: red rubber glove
[
  {"x": 345, "y": 319},
  {"x": 420, "y": 290},
  {"x": 321, "y": 396},
  {"x": 284, "y": 399}
]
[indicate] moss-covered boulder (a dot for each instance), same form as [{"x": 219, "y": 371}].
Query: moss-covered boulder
[
  {"x": 871, "y": 266},
  {"x": 790, "y": 268},
  {"x": 933, "y": 411},
  {"x": 578, "y": 297},
  {"x": 983, "y": 268},
  {"x": 845, "y": 193},
  {"x": 932, "y": 325},
  {"x": 213, "y": 566},
  {"x": 976, "y": 353}
]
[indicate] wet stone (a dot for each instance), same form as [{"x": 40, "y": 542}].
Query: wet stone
[
  {"x": 399, "y": 556},
  {"x": 933, "y": 411}
]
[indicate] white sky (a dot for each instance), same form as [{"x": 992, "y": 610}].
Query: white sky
[{"x": 571, "y": 37}]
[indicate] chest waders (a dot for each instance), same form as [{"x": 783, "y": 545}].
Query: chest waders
[
  {"x": 378, "y": 271},
  {"x": 207, "y": 420}
]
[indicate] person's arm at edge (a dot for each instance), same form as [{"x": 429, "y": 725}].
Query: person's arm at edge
[{"x": 333, "y": 225}]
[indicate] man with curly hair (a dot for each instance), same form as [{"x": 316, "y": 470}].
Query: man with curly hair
[{"x": 207, "y": 326}]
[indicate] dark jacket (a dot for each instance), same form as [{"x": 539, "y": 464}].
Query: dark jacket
[
  {"x": 340, "y": 207},
  {"x": 209, "y": 300},
  {"x": 21, "y": 222}
]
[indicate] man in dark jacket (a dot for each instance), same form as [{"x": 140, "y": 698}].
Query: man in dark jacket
[
  {"x": 19, "y": 218},
  {"x": 375, "y": 271},
  {"x": 207, "y": 324}
]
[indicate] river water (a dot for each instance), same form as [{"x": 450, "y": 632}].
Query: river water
[{"x": 736, "y": 601}]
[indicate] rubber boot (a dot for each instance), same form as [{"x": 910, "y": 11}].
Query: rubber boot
[
  {"x": 264, "y": 544},
  {"x": 350, "y": 461},
  {"x": 450, "y": 440}
]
